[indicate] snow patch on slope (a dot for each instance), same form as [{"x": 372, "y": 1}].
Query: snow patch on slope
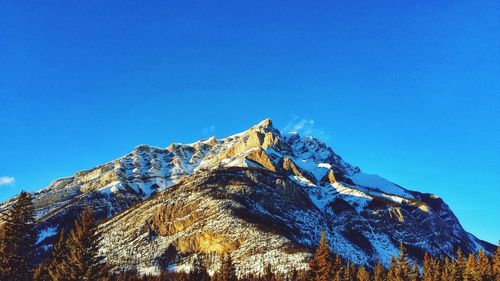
[
  {"x": 44, "y": 233},
  {"x": 377, "y": 182}
]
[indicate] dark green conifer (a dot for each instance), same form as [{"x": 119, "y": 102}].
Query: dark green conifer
[{"x": 17, "y": 240}]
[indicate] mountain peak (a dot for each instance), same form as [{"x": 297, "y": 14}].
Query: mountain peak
[
  {"x": 264, "y": 130},
  {"x": 229, "y": 192},
  {"x": 266, "y": 123}
]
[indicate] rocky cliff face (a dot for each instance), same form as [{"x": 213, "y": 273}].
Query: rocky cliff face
[{"x": 263, "y": 196}]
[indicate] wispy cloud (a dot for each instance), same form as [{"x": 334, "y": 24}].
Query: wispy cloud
[
  {"x": 306, "y": 127},
  {"x": 7, "y": 180},
  {"x": 210, "y": 130}
]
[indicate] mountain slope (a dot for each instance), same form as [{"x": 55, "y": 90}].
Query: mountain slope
[{"x": 262, "y": 195}]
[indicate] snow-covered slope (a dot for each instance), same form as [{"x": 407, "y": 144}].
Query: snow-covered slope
[{"x": 262, "y": 195}]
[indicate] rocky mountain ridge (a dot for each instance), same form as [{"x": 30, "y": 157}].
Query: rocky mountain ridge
[{"x": 261, "y": 195}]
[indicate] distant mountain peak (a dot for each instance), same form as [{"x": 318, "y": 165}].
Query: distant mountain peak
[{"x": 266, "y": 123}]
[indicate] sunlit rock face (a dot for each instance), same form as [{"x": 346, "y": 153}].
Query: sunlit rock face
[{"x": 261, "y": 195}]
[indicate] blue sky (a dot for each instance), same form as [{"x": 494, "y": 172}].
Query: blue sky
[{"x": 409, "y": 90}]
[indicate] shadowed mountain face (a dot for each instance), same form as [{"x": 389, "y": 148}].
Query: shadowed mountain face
[{"x": 263, "y": 196}]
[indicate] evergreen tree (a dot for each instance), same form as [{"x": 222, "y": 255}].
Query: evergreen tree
[
  {"x": 427, "y": 268},
  {"x": 294, "y": 276},
  {"x": 227, "y": 271},
  {"x": 459, "y": 266},
  {"x": 80, "y": 259},
  {"x": 496, "y": 262},
  {"x": 321, "y": 264},
  {"x": 41, "y": 273},
  {"x": 362, "y": 274},
  {"x": 437, "y": 269},
  {"x": 448, "y": 273},
  {"x": 346, "y": 273},
  {"x": 484, "y": 270},
  {"x": 415, "y": 273},
  {"x": 453, "y": 270},
  {"x": 392, "y": 274},
  {"x": 268, "y": 273},
  {"x": 199, "y": 270},
  {"x": 403, "y": 268},
  {"x": 470, "y": 269},
  {"x": 379, "y": 273},
  {"x": 57, "y": 265},
  {"x": 336, "y": 266},
  {"x": 17, "y": 240},
  {"x": 349, "y": 272},
  {"x": 337, "y": 276}
]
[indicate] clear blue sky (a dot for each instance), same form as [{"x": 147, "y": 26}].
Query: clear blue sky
[{"x": 409, "y": 90}]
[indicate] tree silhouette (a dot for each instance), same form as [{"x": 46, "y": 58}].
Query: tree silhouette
[{"x": 17, "y": 240}]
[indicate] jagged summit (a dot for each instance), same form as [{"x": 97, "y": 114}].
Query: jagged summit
[
  {"x": 266, "y": 123},
  {"x": 261, "y": 195}
]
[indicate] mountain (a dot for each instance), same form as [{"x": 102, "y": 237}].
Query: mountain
[{"x": 261, "y": 195}]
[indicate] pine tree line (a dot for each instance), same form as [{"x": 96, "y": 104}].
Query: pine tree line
[
  {"x": 75, "y": 257},
  {"x": 480, "y": 267},
  {"x": 326, "y": 266}
]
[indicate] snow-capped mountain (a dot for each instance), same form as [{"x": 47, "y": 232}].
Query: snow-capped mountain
[{"x": 261, "y": 195}]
